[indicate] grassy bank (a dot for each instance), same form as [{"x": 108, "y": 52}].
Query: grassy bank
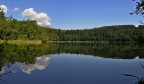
[{"x": 38, "y": 42}]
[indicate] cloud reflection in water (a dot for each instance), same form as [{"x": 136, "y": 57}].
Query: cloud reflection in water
[{"x": 40, "y": 64}]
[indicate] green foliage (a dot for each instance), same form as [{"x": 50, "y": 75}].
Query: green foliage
[
  {"x": 12, "y": 29},
  {"x": 139, "y": 7},
  {"x": 116, "y": 33},
  {"x": 2, "y": 15},
  {"x": 28, "y": 53}
]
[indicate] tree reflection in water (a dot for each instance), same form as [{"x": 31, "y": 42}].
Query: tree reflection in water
[
  {"x": 140, "y": 79},
  {"x": 36, "y": 57}
]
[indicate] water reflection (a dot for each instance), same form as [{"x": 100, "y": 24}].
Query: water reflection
[
  {"x": 140, "y": 80},
  {"x": 28, "y": 53},
  {"x": 40, "y": 64},
  {"x": 30, "y": 58},
  {"x": 6, "y": 70}
]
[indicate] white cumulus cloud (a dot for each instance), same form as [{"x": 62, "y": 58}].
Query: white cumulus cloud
[
  {"x": 4, "y": 8},
  {"x": 15, "y": 9},
  {"x": 42, "y": 18}
]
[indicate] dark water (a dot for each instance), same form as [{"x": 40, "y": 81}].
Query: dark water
[{"x": 70, "y": 63}]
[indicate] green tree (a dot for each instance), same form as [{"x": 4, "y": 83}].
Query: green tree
[
  {"x": 2, "y": 15},
  {"x": 139, "y": 10}
]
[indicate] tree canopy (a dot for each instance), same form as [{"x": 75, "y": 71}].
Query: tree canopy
[
  {"x": 139, "y": 10},
  {"x": 12, "y": 29}
]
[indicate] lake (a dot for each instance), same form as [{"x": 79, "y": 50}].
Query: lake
[{"x": 76, "y": 63}]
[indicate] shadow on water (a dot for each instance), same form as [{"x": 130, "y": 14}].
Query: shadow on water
[{"x": 140, "y": 80}]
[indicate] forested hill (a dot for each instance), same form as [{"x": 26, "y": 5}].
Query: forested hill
[
  {"x": 12, "y": 29},
  {"x": 118, "y": 33}
]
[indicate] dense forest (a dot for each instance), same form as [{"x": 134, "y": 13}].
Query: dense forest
[
  {"x": 118, "y": 33},
  {"x": 12, "y": 29}
]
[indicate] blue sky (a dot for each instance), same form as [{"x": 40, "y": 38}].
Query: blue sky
[{"x": 78, "y": 14}]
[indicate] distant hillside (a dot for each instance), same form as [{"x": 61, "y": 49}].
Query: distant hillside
[
  {"x": 117, "y": 33},
  {"x": 12, "y": 29}
]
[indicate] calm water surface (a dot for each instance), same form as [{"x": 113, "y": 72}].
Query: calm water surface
[{"x": 70, "y": 64}]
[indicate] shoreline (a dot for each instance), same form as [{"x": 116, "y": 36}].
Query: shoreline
[
  {"x": 38, "y": 42},
  {"x": 35, "y": 42},
  {"x": 101, "y": 42}
]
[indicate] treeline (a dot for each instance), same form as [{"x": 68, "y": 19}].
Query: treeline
[
  {"x": 118, "y": 33},
  {"x": 12, "y": 29}
]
